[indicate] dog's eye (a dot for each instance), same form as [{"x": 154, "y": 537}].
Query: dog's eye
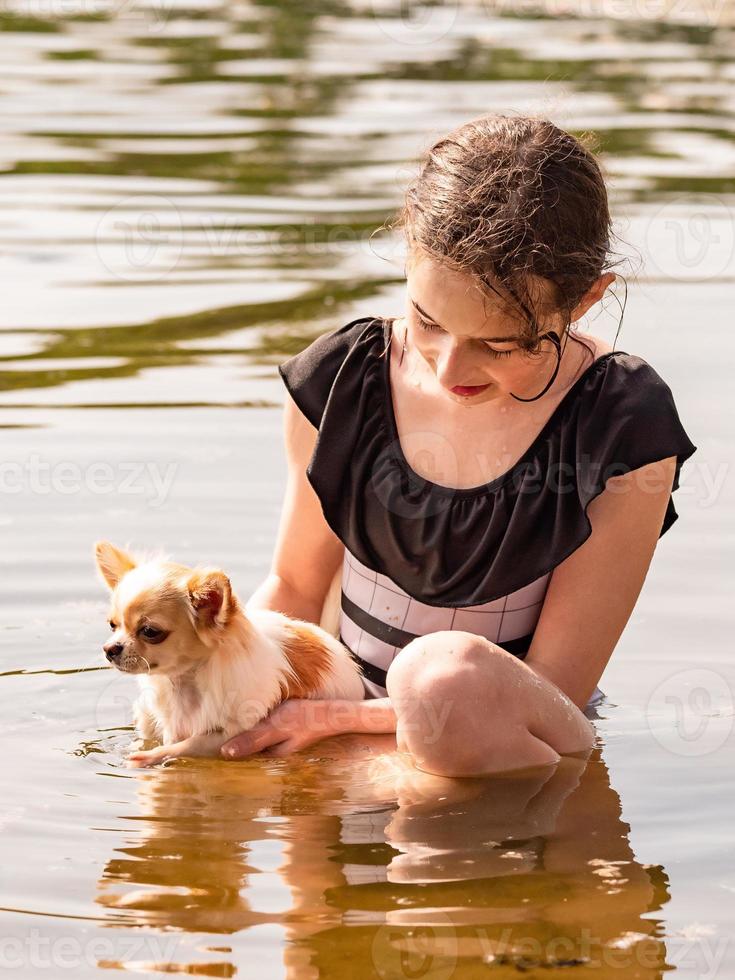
[
  {"x": 153, "y": 634},
  {"x": 113, "y": 626}
]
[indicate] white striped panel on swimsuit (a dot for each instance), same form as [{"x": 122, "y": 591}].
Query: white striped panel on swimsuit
[{"x": 387, "y": 613}]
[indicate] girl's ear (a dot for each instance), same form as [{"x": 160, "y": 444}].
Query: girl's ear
[
  {"x": 593, "y": 295},
  {"x": 211, "y": 598},
  {"x": 112, "y": 563}
]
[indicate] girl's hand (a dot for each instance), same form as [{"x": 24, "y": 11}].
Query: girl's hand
[{"x": 292, "y": 725}]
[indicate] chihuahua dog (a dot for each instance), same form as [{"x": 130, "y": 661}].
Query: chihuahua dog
[{"x": 208, "y": 669}]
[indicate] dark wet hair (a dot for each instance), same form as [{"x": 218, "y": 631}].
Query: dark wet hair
[{"x": 504, "y": 198}]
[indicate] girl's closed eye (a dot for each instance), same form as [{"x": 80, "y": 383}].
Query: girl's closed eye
[{"x": 492, "y": 351}]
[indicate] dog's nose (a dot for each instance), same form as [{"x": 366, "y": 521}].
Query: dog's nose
[{"x": 113, "y": 651}]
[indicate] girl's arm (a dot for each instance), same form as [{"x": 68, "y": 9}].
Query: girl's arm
[
  {"x": 306, "y": 558},
  {"x": 592, "y": 593},
  {"x": 299, "y": 722},
  {"x": 307, "y": 552},
  {"x": 278, "y": 594}
]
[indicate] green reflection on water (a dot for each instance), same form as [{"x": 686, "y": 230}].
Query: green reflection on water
[
  {"x": 163, "y": 342},
  {"x": 187, "y": 849}
]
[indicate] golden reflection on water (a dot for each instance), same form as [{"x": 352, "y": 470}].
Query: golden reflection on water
[
  {"x": 386, "y": 869},
  {"x": 264, "y": 145}
]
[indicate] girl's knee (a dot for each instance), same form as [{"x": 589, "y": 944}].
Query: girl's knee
[
  {"x": 441, "y": 688},
  {"x": 463, "y": 708},
  {"x": 441, "y": 663}
]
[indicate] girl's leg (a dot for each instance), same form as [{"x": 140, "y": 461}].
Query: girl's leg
[{"x": 465, "y": 707}]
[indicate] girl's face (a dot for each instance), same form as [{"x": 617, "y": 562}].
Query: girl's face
[{"x": 468, "y": 339}]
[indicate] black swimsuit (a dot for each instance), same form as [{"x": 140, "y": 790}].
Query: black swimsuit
[{"x": 421, "y": 557}]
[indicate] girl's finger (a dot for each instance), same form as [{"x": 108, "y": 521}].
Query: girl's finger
[{"x": 246, "y": 743}]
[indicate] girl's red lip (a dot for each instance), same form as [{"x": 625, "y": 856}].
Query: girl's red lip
[{"x": 468, "y": 389}]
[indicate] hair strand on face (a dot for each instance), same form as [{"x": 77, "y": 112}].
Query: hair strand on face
[{"x": 513, "y": 202}]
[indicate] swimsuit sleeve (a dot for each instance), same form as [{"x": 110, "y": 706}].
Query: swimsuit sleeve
[
  {"x": 632, "y": 421},
  {"x": 309, "y": 375}
]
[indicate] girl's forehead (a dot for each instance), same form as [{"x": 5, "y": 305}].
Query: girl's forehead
[{"x": 427, "y": 274}]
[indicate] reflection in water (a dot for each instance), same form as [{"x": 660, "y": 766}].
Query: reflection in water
[
  {"x": 190, "y": 193},
  {"x": 186, "y": 866},
  {"x": 380, "y": 862}
]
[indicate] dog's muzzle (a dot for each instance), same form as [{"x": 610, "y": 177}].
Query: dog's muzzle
[{"x": 113, "y": 651}]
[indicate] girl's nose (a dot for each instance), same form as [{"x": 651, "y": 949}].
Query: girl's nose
[{"x": 455, "y": 365}]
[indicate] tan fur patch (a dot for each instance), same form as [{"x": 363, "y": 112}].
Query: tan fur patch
[{"x": 309, "y": 658}]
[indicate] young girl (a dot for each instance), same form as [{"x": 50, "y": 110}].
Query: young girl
[{"x": 491, "y": 484}]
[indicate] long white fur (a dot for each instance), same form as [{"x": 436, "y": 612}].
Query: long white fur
[{"x": 240, "y": 682}]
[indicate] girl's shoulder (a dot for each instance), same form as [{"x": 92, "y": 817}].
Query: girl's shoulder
[
  {"x": 310, "y": 375},
  {"x": 617, "y": 388}
]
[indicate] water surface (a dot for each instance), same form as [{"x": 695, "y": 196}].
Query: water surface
[{"x": 189, "y": 194}]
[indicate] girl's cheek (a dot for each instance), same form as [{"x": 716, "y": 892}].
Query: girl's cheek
[{"x": 510, "y": 376}]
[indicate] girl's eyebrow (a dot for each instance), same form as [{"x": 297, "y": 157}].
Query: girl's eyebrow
[{"x": 427, "y": 316}]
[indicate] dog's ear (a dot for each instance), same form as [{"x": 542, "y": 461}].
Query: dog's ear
[
  {"x": 211, "y": 598},
  {"x": 112, "y": 562}
]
